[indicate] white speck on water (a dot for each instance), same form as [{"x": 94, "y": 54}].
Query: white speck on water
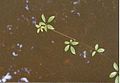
[
  {"x": 76, "y": 2},
  {"x": 9, "y": 27},
  {"x": 27, "y": 5},
  {"x": 33, "y": 20},
  {"x": 19, "y": 45},
  {"x": 18, "y": 71},
  {"x": 84, "y": 54},
  {"x": 15, "y": 72},
  {"x": 14, "y": 54},
  {"x": 32, "y": 47},
  {"x": 72, "y": 11},
  {"x": 75, "y": 12},
  {"x": 26, "y": 1},
  {"x": 11, "y": 68},
  {"x": 78, "y": 13},
  {"x": 88, "y": 62},
  {"x": 40, "y": 64},
  {"x": 23, "y": 79},
  {"x": 5, "y": 78},
  {"x": 52, "y": 41},
  {"x": 25, "y": 70}
]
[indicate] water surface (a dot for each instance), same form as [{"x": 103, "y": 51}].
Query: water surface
[{"x": 41, "y": 57}]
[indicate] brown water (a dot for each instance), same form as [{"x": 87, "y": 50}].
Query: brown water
[{"x": 41, "y": 57}]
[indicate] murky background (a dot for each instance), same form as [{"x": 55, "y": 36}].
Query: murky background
[{"x": 41, "y": 57}]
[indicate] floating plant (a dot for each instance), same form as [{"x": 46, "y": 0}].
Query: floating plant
[
  {"x": 70, "y": 46},
  {"x": 45, "y": 24},
  {"x": 114, "y": 74},
  {"x": 97, "y": 50}
]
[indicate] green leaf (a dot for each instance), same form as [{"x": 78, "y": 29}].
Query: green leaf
[
  {"x": 74, "y": 43},
  {"x": 51, "y": 19},
  {"x": 66, "y": 48},
  {"x": 115, "y": 66},
  {"x": 72, "y": 49},
  {"x": 37, "y": 26},
  {"x": 93, "y": 53},
  {"x": 96, "y": 47},
  {"x": 71, "y": 41},
  {"x": 41, "y": 29},
  {"x": 45, "y": 29},
  {"x": 100, "y": 50},
  {"x": 50, "y": 27},
  {"x": 43, "y": 18},
  {"x": 113, "y": 74},
  {"x": 117, "y": 79},
  {"x": 66, "y": 42},
  {"x": 41, "y": 24},
  {"x": 38, "y": 30}
]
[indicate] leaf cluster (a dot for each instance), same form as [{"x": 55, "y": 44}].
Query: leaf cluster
[
  {"x": 70, "y": 46},
  {"x": 97, "y": 50},
  {"x": 44, "y": 25},
  {"x": 114, "y": 74}
]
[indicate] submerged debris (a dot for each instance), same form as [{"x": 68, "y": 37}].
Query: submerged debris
[{"x": 5, "y": 78}]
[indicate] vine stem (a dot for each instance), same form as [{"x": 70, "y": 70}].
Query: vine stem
[
  {"x": 62, "y": 34},
  {"x": 72, "y": 38}
]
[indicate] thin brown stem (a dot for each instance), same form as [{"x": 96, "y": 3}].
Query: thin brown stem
[
  {"x": 89, "y": 47},
  {"x": 72, "y": 38},
  {"x": 63, "y": 34}
]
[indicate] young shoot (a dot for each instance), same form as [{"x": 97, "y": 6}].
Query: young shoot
[
  {"x": 44, "y": 25},
  {"x": 97, "y": 50},
  {"x": 70, "y": 46},
  {"x": 114, "y": 74}
]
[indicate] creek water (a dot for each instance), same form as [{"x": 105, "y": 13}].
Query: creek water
[{"x": 41, "y": 57}]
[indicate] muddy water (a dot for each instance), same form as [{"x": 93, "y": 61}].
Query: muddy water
[{"x": 40, "y": 57}]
